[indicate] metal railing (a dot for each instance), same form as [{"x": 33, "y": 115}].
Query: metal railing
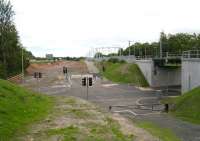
[
  {"x": 152, "y": 107},
  {"x": 191, "y": 54}
]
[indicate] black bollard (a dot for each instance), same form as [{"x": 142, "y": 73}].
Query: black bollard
[
  {"x": 166, "y": 108},
  {"x": 110, "y": 107}
]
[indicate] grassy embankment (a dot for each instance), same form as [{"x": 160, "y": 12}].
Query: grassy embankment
[
  {"x": 187, "y": 106},
  {"x": 19, "y": 108},
  {"x": 123, "y": 73},
  {"x": 70, "y": 118}
]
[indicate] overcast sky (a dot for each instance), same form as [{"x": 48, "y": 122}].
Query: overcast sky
[{"x": 72, "y": 27}]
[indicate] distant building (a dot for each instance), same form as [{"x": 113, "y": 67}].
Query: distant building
[{"x": 49, "y": 56}]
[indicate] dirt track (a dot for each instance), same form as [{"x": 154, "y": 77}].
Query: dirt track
[{"x": 73, "y": 66}]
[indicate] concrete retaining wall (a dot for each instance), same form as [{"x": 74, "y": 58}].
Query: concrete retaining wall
[
  {"x": 190, "y": 74},
  {"x": 158, "y": 76},
  {"x": 166, "y": 77},
  {"x": 146, "y": 66}
]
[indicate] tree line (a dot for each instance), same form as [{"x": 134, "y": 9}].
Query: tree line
[
  {"x": 171, "y": 43},
  {"x": 10, "y": 46}
]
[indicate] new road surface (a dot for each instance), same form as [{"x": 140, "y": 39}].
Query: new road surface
[{"x": 105, "y": 94}]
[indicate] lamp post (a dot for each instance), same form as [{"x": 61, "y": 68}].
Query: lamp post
[{"x": 22, "y": 65}]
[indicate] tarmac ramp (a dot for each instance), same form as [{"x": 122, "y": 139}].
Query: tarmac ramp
[{"x": 91, "y": 67}]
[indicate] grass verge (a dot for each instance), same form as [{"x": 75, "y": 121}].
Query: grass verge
[
  {"x": 186, "y": 106},
  {"x": 163, "y": 134},
  {"x": 19, "y": 108},
  {"x": 92, "y": 132},
  {"x": 74, "y": 119},
  {"x": 123, "y": 73}
]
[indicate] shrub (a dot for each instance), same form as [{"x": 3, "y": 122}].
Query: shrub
[{"x": 115, "y": 60}]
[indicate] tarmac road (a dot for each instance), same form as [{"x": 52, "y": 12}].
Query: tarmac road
[{"x": 105, "y": 94}]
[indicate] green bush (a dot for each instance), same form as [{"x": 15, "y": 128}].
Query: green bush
[
  {"x": 2, "y": 71},
  {"x": 115, "y": 60},
  {"x": 186, "y": 106}
]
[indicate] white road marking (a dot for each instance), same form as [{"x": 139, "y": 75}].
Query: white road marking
[
  {"x": 138, "y": 100},
  {"x": 144, "y": 88},
  {"x": 59, "y": 86},
  {"x": 136, "y": 114},
  {"x": 109, "y": 85},
  {"x": 125, "y": 111},
  {"x": 76, "y": 76},
  {"x": 81, "y": 76}
]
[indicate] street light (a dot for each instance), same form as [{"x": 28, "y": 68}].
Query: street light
[{"x": 23, "y": 64}]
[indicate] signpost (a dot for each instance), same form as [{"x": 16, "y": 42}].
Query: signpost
[{"x": 87, "y": 81}]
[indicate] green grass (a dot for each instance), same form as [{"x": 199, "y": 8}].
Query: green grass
[
  {"x": 163, "y": 134},
  {"x": 69, "y": 133},
  {"x": 19, "y": 108},
  {"x": 92, "y": 132},
  {"x": 79, "y": 113},
  {"x": 123, "y": 73},
  {"x": 187, "y": 106}
]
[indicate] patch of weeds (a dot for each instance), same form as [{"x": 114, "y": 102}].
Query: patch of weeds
[
  {"x": 79, "y": 113},
  {"x": 117, "y": 133},
  {"x": 109, "y": 131},
  {"x": 69, "y": 134},
  {"x": 97, "y": 128},
  {"x": 70, "y": 101}
]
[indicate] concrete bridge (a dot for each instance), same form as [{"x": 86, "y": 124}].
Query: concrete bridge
[{"x": 159, "y": 73}]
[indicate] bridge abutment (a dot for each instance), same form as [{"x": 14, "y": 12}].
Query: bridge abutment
[
  {"x": 158, "y": 76},
  {"x": 190, "y": 74}
]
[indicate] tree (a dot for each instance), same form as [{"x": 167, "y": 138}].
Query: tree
[
  {"x": 171, "y": 43},
  {"x": 98, "y": 54},
  {"x": 6, "y": 31},
  {"x": 10, "y": 46}
]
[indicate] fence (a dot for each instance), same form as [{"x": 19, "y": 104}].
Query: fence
[
  {"x": 16, "y": 78},
  {"x": 191, "y": 54}
]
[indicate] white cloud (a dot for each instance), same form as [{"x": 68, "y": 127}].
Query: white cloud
[{"x": 71, "y": 27}]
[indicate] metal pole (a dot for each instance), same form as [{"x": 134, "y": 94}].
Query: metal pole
[
  {"x": 129, "y": 44},
  {"x": 87, "y": 81},
  {"x": 145, "y": 51},
  {"x": 22, "y": 65},
  {"x": 160, "y": 45},
  {"x": 167, "y": 80},
  {"x": 38, "y": 84},
  {"x": 134, "y": 51}
]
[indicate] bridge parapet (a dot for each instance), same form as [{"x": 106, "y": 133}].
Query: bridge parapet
[
  {"x": 191, "y": 54},
  {"x": 128, "y": 59}
]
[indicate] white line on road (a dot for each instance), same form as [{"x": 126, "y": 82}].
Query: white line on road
[
  {"x": 136, "y": 114},
  {"x": 126, "y": 111}
]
